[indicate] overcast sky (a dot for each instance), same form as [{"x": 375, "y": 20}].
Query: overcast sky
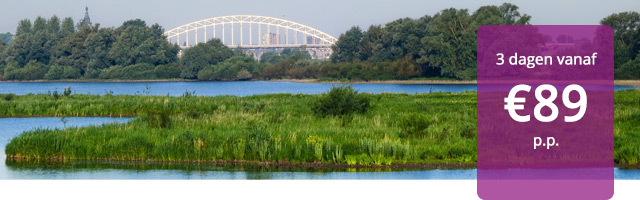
[{"x": 331, "y": 16}]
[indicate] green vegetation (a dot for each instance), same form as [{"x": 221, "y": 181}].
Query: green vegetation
[
  {"x": 203, "y": 55},
  {"x": 627, "y": 43},
  {"x": 627, "y": 127},
  {"x": 440, "y": 46},
  {"x": 234, "y": 68},
  {"x": 340, "y": 101},
  {"x": 51, "y": 49},
  {"x": 277, "y": 128},
  {"x": 6, "y": 37}
]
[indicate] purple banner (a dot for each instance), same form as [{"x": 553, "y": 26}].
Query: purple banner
[{"x": 545, "y": 112}]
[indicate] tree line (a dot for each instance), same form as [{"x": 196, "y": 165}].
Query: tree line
[
  {"x": 444, "y": 45},
  {"x": 441, "y": 46},
  {"x": 59, "y": 49}
]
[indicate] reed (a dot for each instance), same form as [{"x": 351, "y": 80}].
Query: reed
[{"x": 396, "y": 129}]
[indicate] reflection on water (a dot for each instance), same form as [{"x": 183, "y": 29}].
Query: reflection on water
[{"x": 157, "y": 170}]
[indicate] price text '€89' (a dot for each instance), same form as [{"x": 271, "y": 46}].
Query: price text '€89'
[{"x": 514, "y": 103}]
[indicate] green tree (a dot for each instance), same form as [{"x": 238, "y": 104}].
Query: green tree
[
  {"x": 32, "y": 71},
  {"x": 346, "y": 48},
  {"x": 141, "y": 44},
  {"x": 9, "y": 71},
  {"x": 505, "y": 14},
  {"x": 62, "y": 72},
  {"x": 53, "y": 25},
  {"x": 234, "y": 68},
  {"x": 40, "y": 24},
  {"x": 72, "y": 52},
  {"x": 341, "y": 101},
  {"x": 371, "y": 42},
  {"x": 24, "y": 26},
  {"x": 6, "y": 37},
  {"x": 629, "y": 70},
  {"x": 2, "y": 47},
  {"x": 451, "y": 46},
  {"x": 97, "y": 46},
  {"x": 171, "y": 70},
  {"x": 31, "y": 46},
  {"x": 402, "y": 38},
  {"x": 67, "y": 28},
  {"x": 626, "y": 27},
  {"x": 132, "y": 72},
  {"x": 2, "y": 57},
  {"x": 203, "y": 54},
  {"x": 295, "y": 53},
  {"x": 270, "y": 57},
  {"x": 134, "y": 22},
  {"x": 512, "y": 16}
]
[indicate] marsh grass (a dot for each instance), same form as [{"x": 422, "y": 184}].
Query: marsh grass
[
  {"x": 396, "y": 129},
  {"x": 627, "y": 127}
]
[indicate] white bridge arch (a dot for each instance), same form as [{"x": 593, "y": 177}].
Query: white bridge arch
[{"x": 240, "y": 30}]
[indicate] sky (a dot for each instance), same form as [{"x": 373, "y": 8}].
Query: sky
[{"x": 331, "y": 16}]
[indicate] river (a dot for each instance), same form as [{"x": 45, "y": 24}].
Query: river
[
  {"x": 237, "y": 88},
  {"x": 10, "y": 127}
]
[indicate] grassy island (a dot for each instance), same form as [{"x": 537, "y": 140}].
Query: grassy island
[{"x": 436, "y": 129}]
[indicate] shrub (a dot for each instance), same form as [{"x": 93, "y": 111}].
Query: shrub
[
  {"x": 188, "y": 94},
  {"x": 60, "y": 72},
  {"x": 158, "y": 117},
  {"x": 234, "y": 68},
  {"x": 137, "y": 71},
  {"x": 206, "y": 74},
  {"x": 67, "y": 91},
  {"x": 202, "y": 55},
  {"x": 32, "y": 71},
  {"x": 168, "y": 71},
  {"x": 55, "y": 95},
  {"x": 9, "y": 97},
  {"x": 414, "y": 125},
  {"x": 341, "y": 101}
]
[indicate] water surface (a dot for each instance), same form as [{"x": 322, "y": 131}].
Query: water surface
[{"x": 236, "y": 88}]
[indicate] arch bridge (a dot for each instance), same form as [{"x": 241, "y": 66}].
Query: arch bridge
[{"x": 251, "y": 32}]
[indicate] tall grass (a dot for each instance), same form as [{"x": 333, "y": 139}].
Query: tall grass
[
  {"x": 275, "y": 128},
  {"x": 397, "y": 128},
  {"x": 627, "y": 127}
]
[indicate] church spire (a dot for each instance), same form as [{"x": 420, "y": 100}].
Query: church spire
[{"x": 87, "y": 19}]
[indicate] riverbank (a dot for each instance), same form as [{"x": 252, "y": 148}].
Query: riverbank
[
  {"x": 274, "y": 80},
  {"x": 281, "y": 164},
  {"x": 408, "y": 82},
  {"x": 399, "y": 131},
  {"x": 98, "y": 81},
  {"x": 634, "y": 83}
]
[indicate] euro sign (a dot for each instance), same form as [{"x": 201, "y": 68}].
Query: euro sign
[{"x": 511, "y": 101}]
